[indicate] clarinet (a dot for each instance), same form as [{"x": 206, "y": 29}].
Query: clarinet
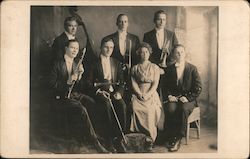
[{"x": 77, "y": 67}]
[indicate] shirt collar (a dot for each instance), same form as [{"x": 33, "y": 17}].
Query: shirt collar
[
  {"x": 68, "y": 59},
  {"x": 121, "y": 32},
  {"x": 159, "y": 30},
  {"x": 70, "y": 36},
  {"x": 104, "y": 57},
  {"x": 179, "y": 64}
]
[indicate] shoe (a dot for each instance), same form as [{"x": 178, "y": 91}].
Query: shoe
[
  {"x": 100, "y": 148},
  {"x": 176, "y": 146},
  {"x": 149, "y": 144},
  {"x": 112, "y": 148},
  {"x": 171, "y": 142}
]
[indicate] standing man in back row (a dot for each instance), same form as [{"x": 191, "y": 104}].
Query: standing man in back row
[
  {"x": 124, "y": 41},
  {"x": 58, "y": 47},
  {"x": 161, "y": 40}
]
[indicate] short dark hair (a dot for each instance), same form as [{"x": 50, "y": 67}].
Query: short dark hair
[
  {"x": 104, "y": 40},
  {"x": 119, "y": 16},
  {"x": 146, "y": 45},
  {"x": 176, "y": 46},
  {"x": 68, "y": 19},
  {"x": 70, "y": 41},
  {"x": 159, "y": 12}
]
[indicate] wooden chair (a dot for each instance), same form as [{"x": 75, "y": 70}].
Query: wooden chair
[{"x": 194, "y": 117}]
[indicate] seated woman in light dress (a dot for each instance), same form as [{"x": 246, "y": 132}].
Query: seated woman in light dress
[{"x": 146, "y": 102}]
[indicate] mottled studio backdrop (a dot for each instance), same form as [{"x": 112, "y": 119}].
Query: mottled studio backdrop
[{"x": 196, "y": 28}]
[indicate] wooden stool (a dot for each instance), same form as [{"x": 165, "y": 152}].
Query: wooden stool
[{"x": 194, "y": 117}]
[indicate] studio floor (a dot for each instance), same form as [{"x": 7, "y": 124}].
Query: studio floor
[{"x": 206, "y": 144}]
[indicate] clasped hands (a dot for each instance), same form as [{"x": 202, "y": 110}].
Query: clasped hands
[
  {"x": 183, "y": 99},
  {"x": 144, "y": 96}
]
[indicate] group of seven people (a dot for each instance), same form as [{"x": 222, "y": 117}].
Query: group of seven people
[{"x": 128, "y": 75}]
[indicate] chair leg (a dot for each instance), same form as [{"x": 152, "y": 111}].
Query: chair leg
[
  {"x": 187, "y": 135},
  {"x": 198, "y": 128}
]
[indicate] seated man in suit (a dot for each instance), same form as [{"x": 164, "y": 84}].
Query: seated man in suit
[
  {"x": 182, "y": 85},
  {"x": 160, "y": 39},
  {"x": 105, "y": 71},
  {"x": 71, "y": 109}
]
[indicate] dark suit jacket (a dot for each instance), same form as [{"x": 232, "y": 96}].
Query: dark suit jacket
[
  {"x": 96, "y": 75},
  {"x": 117, "y": 54},
  {"x": 58, "y": 47},
  {"x": 150, "y": 38},
  {"x": 58, "y": 79},
  {"x": 190, "y": 87}
]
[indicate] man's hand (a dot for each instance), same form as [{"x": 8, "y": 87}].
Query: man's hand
[
  {"x": 74, "y": 77},
  {"x": 183, "y": 99},
  {"x": 172, "y": 98},
  {"x": 105, "y": 94},
  {"x": 80, "y": 71},
  {"x": 117, "y": 96}
]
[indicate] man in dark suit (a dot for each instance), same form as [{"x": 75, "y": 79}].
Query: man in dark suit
[
  {"x": 124, "y": 42},
  {"x": 106, "y": 81},
  {"x": 181, "y": 87},
  {"x": 71, "y": 110},
  {"x": 125, "y": 47},
  {"x": 160, "y": 39},
  {"x": 58, "y": 46}
]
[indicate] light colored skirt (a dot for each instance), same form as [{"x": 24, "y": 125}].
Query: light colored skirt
[{"x": 146, "y": 115}]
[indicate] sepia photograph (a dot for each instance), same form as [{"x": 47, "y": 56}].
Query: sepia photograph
[{"x": 123, "y": 79}]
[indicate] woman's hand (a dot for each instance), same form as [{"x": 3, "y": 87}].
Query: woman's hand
[{"x": 146, "y": 96}]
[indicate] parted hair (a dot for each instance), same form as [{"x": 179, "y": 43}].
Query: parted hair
[
  {"x": 118, "y": 17},
  {"x": 70, "y": 41},
  {"x": 159, "y": 12},
  {"x": 106, "y": 40},
  {"x": 68, "y": 19},
  {"x": 146, "y": 45}
]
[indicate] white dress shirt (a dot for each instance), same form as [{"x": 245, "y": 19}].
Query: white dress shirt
[
  {"x": 122, "y": 41},
  {"x": 70, "y": 36},
  {"x": 160, "y": 37},
  {"x": 179, "y": 70},
  {"x": 69, "y": 64},
  {"x": 106, "y": 66}
]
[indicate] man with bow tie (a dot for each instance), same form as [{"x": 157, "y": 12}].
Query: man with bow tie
[
  {"x": 181, "y": 87},
  {"x": 71, "y": 114},
  {"x": 124, "y": 42},
  {"x": 106, "y": 82},
  {"x": 160, "y": 39},
  {"x": 70, "y": 27}
]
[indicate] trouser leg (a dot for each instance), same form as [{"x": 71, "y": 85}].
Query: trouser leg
[
  {"x": 171, "y": 121},
  {"x": 186, "y": 110},
  {"x": 120, "y": 109}
]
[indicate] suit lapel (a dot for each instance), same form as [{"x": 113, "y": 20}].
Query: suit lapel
[
  {"x": 100, "y": 70},
  {"x": 154, "y": 38},
  {"x": 113, "y": 73},
  {"x": 116, "y": 42},
  {"x": 175, "y": 74},
  {"x": 184, "y": 78}
]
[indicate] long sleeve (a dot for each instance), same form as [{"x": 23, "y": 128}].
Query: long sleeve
[{"x": 196, "y": 87}]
